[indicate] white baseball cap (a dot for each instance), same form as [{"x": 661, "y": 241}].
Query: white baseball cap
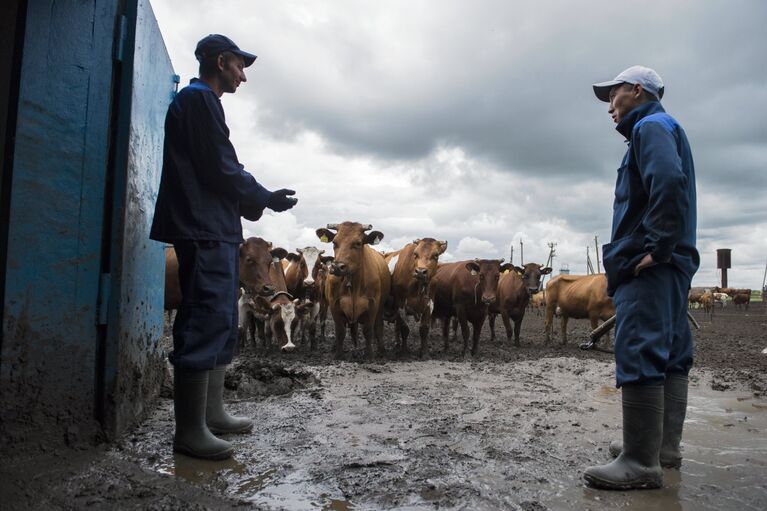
[{"x": 644, "y": 76}]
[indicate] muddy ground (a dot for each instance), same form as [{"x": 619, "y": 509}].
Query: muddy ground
[{"x": 511, "y": 428}]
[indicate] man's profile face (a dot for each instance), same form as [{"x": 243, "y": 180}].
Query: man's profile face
[
  {"x": 231, "y": 71},
  {"x": 624, "y": 98}
]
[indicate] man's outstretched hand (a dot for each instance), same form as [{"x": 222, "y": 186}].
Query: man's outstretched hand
[{"x": 280, "y": 200}]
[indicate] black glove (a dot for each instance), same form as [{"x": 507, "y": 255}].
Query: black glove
[
  {"x": 250, "y": 212},
  {"x": 279, "y": 201}
]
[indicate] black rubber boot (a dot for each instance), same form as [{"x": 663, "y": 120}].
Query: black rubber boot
[
  {"x": 218, "y": 420},
  {"x": 193, "y": 437},
  {"x": 674, "y": 412},
  {"x": 638, "y": 466}
]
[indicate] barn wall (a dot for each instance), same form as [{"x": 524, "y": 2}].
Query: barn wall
[
  {"x": 134, "y": 361},
  {"x": 82, "y": 307},
  {"x": 50, "y": 335}
]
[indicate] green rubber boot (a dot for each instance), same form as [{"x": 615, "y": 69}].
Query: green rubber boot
[
  {"x": 218, "y": 420},
  {"x": 674, "y": 412},
  {"x": 637, "y": 467},
  {"x": 193, "y": 437}
]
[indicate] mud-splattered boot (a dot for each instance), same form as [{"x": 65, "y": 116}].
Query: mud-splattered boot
[
  {"x": 218, "y": 420},
  {"x": 193, "y": 437},
  {"x": 638, "y": 465},
  {"x": 674, "y": 412}
]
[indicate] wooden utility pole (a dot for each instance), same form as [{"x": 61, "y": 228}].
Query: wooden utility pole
[
  {"x": 521, "y": 253},
  {"x": 511, "y": 255},
  {"x": 596, "y": 252},
  {"x": 550, "y": 260},
  {"x": 589, "y": 266}
]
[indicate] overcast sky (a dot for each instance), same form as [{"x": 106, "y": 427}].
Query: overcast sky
[{"x": 475, "y": 122}]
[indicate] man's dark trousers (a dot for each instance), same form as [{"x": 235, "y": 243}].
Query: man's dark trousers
[
  {"x": 652, "y": 336},
  {"x": 205, "y": 329}
]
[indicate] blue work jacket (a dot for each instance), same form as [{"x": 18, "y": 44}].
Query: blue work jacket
[
  {"x": 654, "y": 211},
  {"x": 203, "y": 189}
]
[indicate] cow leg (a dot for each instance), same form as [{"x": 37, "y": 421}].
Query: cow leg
[
  {"x": 403, "y": 331},
  {"x": 549, "y": 321},
  {"x": 464, "y": 330},
  {"x": 340, "y": 326},
  {"x": 312, "y": 334},
  {"x": 564, "y": 328},
  {"x": 367, "y": 333},
  {"x": 378, "y": 331},
  {"x": 445, "y": 334},
  {"x": 423, "y": 332},
  {"x": 491, "y": 320},
  {"x": 506, "y": 325},
  {"x": 476, "y": 331},
  {"x": 517, "y": 331},
  {"x": 354, "y": 328}
]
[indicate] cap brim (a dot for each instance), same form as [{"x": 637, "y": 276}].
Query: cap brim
[
  {"x": 602, "y": 90},
  {"x": 249, "y": 58}
]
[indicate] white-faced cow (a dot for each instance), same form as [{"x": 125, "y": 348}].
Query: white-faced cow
[
  {"x": 305, "y": 275},
  {"x": 412, "y": 269},
  {"x": 358, "y": 283},
  {"x": 466, "y": 289}
]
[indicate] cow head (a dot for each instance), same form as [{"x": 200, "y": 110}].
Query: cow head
[
  {"x": 531, "y": 274},
  {"x": 487, "y": 271},
  {"x": 256, "y": 257},
  {"x": 310, "y": 263},
  {"x": 348, "y": 241},
  {"x": 426, "y": 254}
]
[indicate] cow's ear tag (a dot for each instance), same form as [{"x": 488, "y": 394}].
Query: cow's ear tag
[
  {"x": 376, "y": 241},
  {"x": 505, "y": 271},
  {"x": 474, "y": 272},
  {"x": 324, "y": 239}
]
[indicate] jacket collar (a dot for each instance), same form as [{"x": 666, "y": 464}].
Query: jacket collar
[{"x": 626, "y": 126}]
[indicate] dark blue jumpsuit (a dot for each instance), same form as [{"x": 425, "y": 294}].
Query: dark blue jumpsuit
[
  {"x": 654, "y": 213},
  {"x": 204, "y": 190}
]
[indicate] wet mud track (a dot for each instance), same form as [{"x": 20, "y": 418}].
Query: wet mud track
[{"x": 512, "y": 428}]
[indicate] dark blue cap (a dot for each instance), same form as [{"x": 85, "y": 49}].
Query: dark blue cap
[{"x": 217, "y": 43}]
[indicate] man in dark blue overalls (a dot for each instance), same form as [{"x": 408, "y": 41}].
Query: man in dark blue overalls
[
  {"x": 204, "y": 190},
  {"x": 649, "y": 264}
]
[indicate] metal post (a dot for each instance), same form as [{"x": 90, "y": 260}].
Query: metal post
[
  {"x": 596, "y": 252},
  {"x": 521, "y": 253}
]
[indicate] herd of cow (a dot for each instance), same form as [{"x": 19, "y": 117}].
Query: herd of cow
[
  {"x": 283, "y": 293},
  {"x": 708, "y": 298}
]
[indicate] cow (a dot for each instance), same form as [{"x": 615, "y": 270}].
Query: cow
[
  {"x": 515, "y": 287},
  {"x": 721, "y": 298},
  {"x": 412, "y": 269},
  {"x": 741, "y": 297},
  {"x": 358, "y": 284},
  {"x": 281, "y": 312},
  {"x": 538, "y": 302},
  {"x": 255, "y": 258},
  {"x": 707, "y": 302},
  {"x": 304, "y": 277},
  {"x": 465, "y": 290},
  {"x": 577, "y": 296},
  {"x": 693, "y": 298}
]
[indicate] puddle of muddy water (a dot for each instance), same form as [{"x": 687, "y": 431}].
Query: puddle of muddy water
[
  {"x": 453, "y": 435},
  {"x": 724, "y": 467}
]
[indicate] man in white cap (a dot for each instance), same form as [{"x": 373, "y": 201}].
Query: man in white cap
[{"x": 649, "y": 263}]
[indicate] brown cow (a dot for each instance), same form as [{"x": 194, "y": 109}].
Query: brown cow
[
  {"x": 741, "y": 297},
  {"x": 412, "y": 268},
  {"x": 466, "y": 289},
  {"x": 577, "y": 296},
  {"x": 358, "y": 283},
  {"x": 538, "y": 302},
  {"x": 514, "y": 290},
  {"x": 255, "y": 258}
]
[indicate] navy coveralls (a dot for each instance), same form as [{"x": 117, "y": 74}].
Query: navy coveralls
[
  {"x": 203, "y": 192},
  {"x": 654, "y": 213}
]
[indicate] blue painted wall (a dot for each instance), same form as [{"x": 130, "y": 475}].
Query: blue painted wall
[{"x": 86, "y": 166}]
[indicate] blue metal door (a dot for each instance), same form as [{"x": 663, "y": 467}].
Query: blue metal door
[{"x": 133, "y": 367}]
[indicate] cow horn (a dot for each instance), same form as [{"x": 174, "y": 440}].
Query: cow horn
[
  {"x": 367, "y": 227},
  {"x": 501, "y": 261},
  {"x": 333, "y": 226},
  {"x": 416, "y": 241}
]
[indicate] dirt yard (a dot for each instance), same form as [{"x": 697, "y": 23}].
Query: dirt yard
[{"x": 512, "y": 428}]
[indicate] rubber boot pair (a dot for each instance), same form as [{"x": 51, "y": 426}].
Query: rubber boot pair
[
  {"x": 674, "y": 412},
  {"x": 196, "y": 394},
  {"x": 638, "y": 465}
]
